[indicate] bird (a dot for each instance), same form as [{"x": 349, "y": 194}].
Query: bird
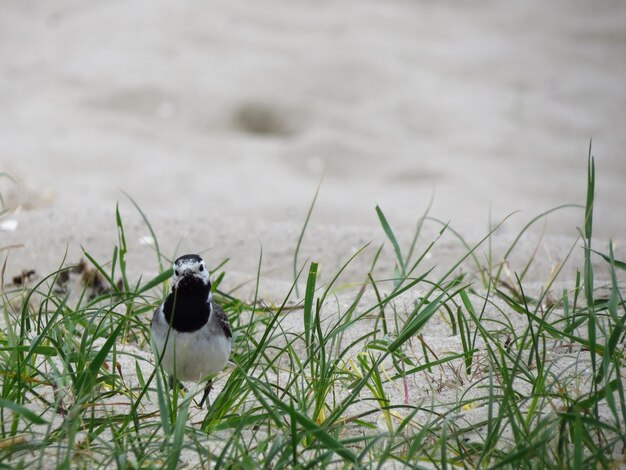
[{"x": 191, "y": 332}]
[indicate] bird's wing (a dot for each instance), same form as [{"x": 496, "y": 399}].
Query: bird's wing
[
  {"x": 222, "y": 319},
  {"x": 155, "y": 315}
]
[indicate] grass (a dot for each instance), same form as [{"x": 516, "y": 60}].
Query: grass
[{"x": 337, "y": 378}]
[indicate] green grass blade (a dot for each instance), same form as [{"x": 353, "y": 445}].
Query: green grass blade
[
  {"x": 301, "y": 237},
  {"x": 150, "y": 229},
  {"x": 22, "y": 411},
  {"x": 157, "y": 280},
  {"x": 308, "y": 305},
  {"x": 612, "y": 261},
  {"x": 319, "y": 432},
  {"x": 392, "y": 238},
  {"x": 179, "y": 434}
]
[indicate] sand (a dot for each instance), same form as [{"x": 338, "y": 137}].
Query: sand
[
  {"x": 221, "y": 118},
  {"x": 230, "y": 114},
  {"x": 226, "y": 108}
]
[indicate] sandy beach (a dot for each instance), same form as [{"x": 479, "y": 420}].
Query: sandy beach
[
  {"x": 222, "y": 108},
  {"x": 220, "y": 119}
]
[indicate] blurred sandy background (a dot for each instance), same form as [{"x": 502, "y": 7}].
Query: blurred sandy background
[{"x": 220, "y": 118}]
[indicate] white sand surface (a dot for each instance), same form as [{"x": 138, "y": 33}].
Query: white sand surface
[
  {"x": 220, "y": 118},
  {"x": 230, "y": 108}
]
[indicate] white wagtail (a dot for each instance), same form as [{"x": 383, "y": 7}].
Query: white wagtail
[{"x": 191, "y": 327}]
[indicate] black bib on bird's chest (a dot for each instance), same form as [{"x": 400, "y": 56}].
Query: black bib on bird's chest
[{"x": 187, "y": 308}]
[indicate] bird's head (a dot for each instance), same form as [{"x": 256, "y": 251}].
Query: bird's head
[{"x": 190, "y": 271}]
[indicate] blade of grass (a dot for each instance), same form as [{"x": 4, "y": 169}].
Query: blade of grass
[
  {"x": 301, "y": 237},
  {"x": 22, "y": 411},
  {"x": 392, "y": 238}
]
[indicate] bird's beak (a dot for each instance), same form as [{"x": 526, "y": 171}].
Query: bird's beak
[
  {"x": 181, "y": 276},
  {"x": 186, "y": 277}
]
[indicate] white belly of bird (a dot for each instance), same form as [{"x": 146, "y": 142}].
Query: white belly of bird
[{"x": 192, "y": 357}]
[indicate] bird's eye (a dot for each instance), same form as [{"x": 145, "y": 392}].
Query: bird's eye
[
  {"x": 201, "y": 268},
  {"x": 176, "y": 272}
]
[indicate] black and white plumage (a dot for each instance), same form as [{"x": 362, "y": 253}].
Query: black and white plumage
[{"x": 198, "y": 344}]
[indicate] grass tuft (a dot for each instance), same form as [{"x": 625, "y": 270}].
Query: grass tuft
[{"x": 462, "y": 365}]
